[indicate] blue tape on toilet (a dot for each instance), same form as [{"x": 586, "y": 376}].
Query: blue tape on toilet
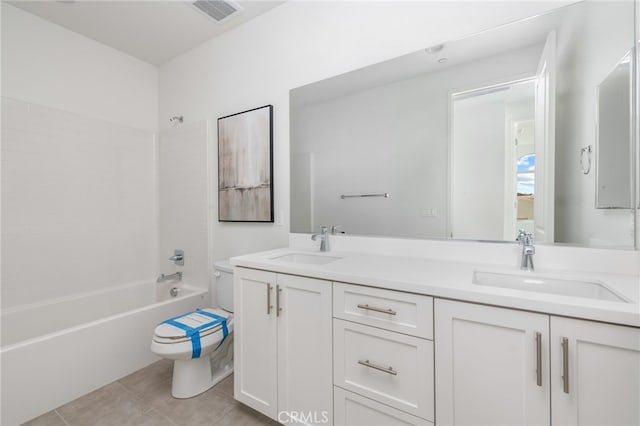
[
  {"x": 223, "y": 320},
  {"x": 194, "y": 333}
]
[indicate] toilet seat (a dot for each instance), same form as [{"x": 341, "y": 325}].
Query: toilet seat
[
  {"x": 169, "y": 334},
  {"x": 174, "y": 342}
]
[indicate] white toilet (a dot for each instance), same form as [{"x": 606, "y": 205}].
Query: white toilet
[{"x": 200, "y": 342}]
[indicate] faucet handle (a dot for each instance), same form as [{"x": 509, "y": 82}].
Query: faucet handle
[
  {"x": 335, "y": 229},
  {"x": 178, "y": 257},
  {"x": 524, "y": 237}
]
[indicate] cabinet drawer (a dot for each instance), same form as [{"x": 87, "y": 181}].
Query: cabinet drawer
[
  {"x": 354, "y": 410},
  {"x": 389, "y": 367},
  {"x": 392, "y": 310}
]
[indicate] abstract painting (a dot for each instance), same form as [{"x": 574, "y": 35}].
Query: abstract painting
[{"x": 245, "y": 166}]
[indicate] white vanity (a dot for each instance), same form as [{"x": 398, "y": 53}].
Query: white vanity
[
  {"x": 350, "y": 338},
  {"x": 479, "y": 138}
]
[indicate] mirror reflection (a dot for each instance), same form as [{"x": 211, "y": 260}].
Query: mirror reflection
[
  {"x": 613, "y": 137},
  {"x": 472, "y": 139}
]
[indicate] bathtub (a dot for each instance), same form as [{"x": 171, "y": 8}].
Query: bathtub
[{"x": 56, "y": 351}]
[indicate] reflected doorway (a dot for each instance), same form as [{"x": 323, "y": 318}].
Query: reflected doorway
[{"x": 493, "y": 147}]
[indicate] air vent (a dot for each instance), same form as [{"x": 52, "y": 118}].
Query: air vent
[{"x": 220, "y": 10}]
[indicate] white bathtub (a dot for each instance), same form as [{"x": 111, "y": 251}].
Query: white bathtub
[{"x": 56, "y": 351}]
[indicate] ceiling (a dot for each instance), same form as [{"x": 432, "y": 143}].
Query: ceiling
[{"x": 153, "y": 31}]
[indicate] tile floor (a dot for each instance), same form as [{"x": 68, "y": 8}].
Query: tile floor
[{"x": 144, "y": 398}]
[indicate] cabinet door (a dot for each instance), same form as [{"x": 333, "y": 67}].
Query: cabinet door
[
  {"x": 486, "y": 362},
  {"x": 305, "y": 387},
  {"x": 255, "y": 361},
  {"x": 603, "y": 365}
]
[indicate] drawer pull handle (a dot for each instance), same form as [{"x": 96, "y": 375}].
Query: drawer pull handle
[
  {"x": 373, "y": 308},
  {"x": 388, "y": 370}
]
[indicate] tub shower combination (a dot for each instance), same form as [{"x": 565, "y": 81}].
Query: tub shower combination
[{"x": 75, "y": 340}]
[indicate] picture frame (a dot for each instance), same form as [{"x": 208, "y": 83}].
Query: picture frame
[{"x": 245, "y": 166}]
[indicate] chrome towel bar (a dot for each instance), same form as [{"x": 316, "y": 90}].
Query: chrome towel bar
[{"x": 385, "y": 195}]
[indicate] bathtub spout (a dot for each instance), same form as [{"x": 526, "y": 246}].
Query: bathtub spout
[{"x": 163, "y": 277}]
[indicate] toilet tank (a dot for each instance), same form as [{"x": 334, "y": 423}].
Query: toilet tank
[{"x": 224, "y": 284}]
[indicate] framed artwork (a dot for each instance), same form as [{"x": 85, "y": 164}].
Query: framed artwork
[{"x": 245, "y": 166}]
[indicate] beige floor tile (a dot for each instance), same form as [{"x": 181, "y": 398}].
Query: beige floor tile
[
  {"x": 150, "y": 418},
  {"x": 48, "y": 419},
  {"x": 200, "y": 410},
  {"x": 148, "y": 378},
  {"x": 140, "y": 380},
  {"x": 241, "y": 415},
  {"x": 226, "y": 386},
  {"x": 108, "y": 406}
]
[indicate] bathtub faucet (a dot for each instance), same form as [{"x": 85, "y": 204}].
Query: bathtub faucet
[{"x": 162, "y": 278}]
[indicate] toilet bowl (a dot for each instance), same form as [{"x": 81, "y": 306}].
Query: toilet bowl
[{"x": 200, "y": 342}]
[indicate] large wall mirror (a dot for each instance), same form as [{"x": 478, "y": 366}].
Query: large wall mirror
[{"x": 477, "y": 138}]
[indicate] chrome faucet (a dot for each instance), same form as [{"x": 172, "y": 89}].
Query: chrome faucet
[
  {"x": 528, "y": 250},
  {"x": 324, "y": 238},
  {"x": 163, "y": 277}
]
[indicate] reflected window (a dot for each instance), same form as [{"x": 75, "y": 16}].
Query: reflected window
[{"x": 526, "y": 174}]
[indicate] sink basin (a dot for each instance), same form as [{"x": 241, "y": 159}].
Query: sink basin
[
  {"x": 306, "y": 258},
  {"x": 542, "y": 284}
]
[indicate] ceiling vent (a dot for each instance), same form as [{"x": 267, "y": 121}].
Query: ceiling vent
[{"x": 220, "y": 10}]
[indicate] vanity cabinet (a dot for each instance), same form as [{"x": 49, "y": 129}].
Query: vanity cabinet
[
  {"x": 283, "y": 346},
  {"x": 503, "y": 366},
  {"x": 603, "y": 365},
  {"x": 383, "y": 362},
  {"x": 487, "y": 363},
  {"x": 312, "y": 351}
]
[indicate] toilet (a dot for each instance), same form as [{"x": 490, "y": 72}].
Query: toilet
[{"x": 200, "y": 342}]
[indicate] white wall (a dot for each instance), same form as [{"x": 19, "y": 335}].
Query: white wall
[
  {"x": 78, "y": 163},
  {"x": 295, "y": 44},
  {"x": 45, "y": 64},
  {"x": 590, "y": 42}
]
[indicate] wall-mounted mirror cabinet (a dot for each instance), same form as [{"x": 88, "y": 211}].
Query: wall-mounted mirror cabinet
[
  {"x": 614, "y": 118},
  {"x": 479, "y": 137}
]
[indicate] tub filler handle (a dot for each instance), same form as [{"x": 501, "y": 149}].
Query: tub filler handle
[{"x": 178, "y": 257}]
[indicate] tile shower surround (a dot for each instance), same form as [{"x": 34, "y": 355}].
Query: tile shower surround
[{"x": 78, "y": 201}]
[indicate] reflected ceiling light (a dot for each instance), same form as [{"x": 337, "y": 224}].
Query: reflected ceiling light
[{"x": 434, "y": 49}]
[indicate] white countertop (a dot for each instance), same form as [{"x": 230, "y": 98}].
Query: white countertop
[{"x": 454, "y": 280}]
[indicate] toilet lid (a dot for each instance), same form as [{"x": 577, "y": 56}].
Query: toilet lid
[{"x": 167, "y": 333}]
